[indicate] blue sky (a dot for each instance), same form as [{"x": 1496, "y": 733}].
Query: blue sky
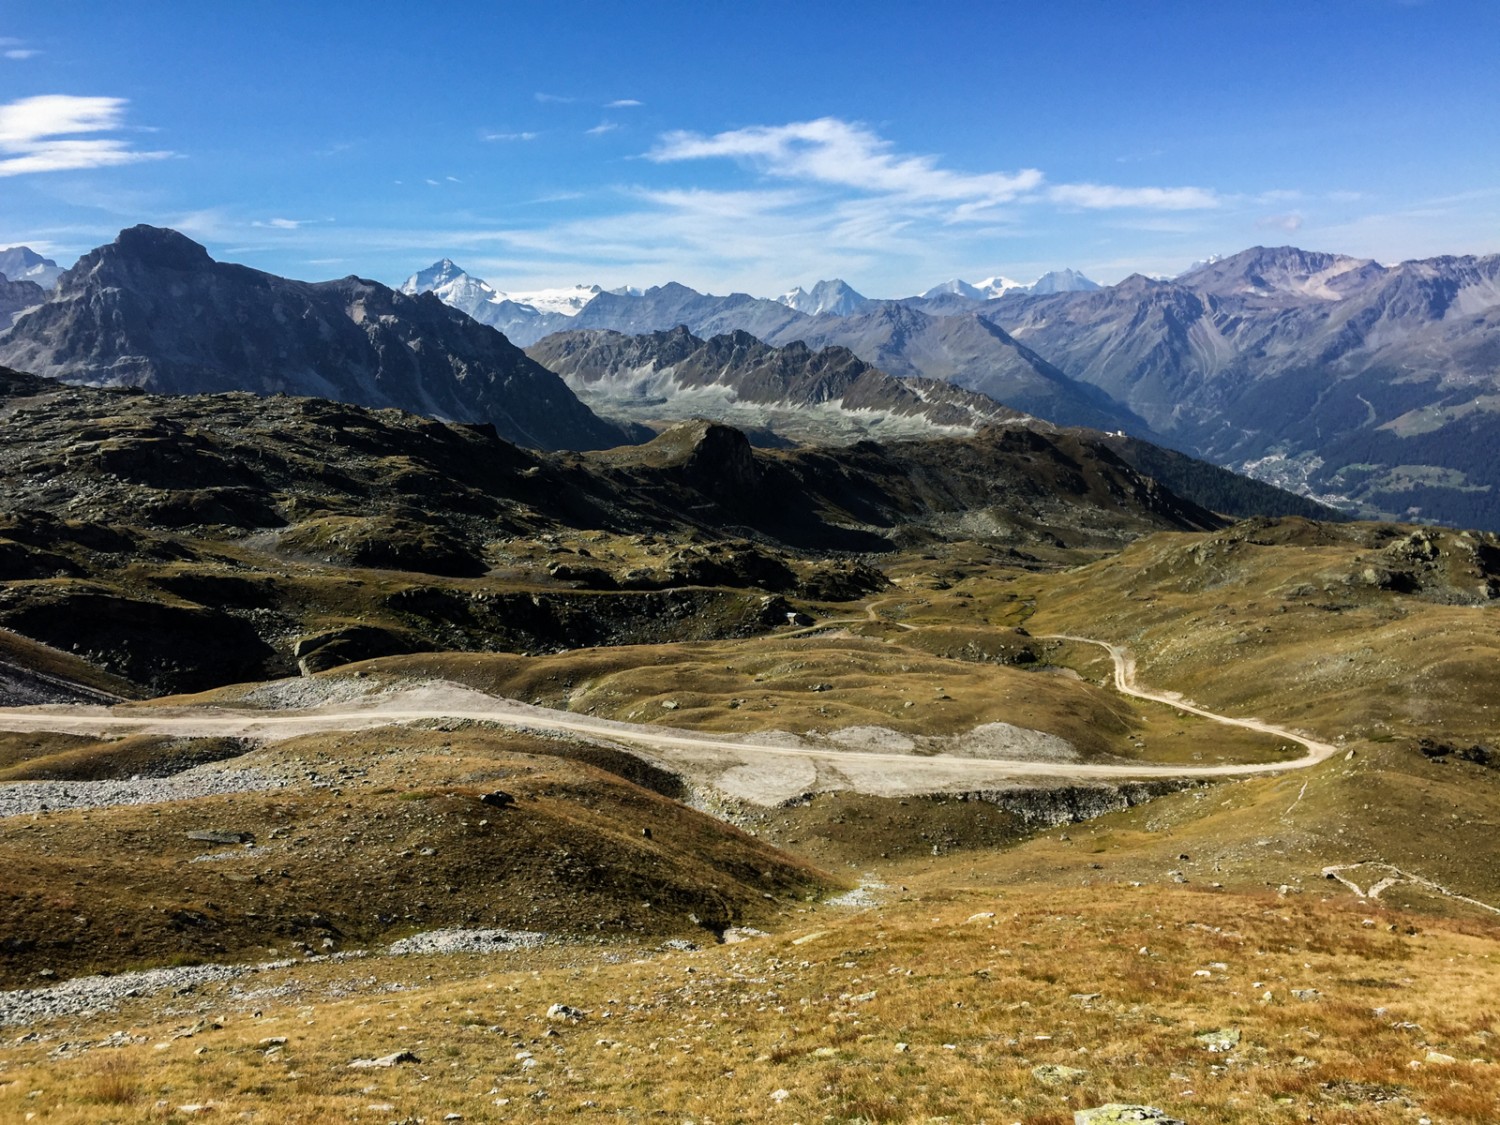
[{"x": 753, "y": 146}]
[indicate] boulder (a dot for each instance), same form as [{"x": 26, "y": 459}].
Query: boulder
[{"x": 1117, "y": 1113}]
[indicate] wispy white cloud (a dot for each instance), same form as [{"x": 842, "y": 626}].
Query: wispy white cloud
[
  {"x": 557, "y": 99},
  {"x": 41, "y": 134},
  {"x": 623, "y": 103},
  {"x": 210, "y": 224},
  {"x": 825, "y": 198},
  {"x": 511, "y": 136},
  {"x": 281, "y": 223},
  {"x": 850, "y": 155},
  {"x": 832, "y": 151},
  {"x": 17, "y": 49},
  {"x": 1100, "y": 197},
  {"x": 600, "y": 129},
  {"x": 1291, "y": 222}
]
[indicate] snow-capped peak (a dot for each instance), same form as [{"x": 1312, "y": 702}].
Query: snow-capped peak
[
  {"x": 998, "y": 285},
  {"x": 956, "y": 287},
  {"x": 441, "y": 275},
  {"x": 985, "y": 290},
  {"x": 834, "y": 298},
  {"x": 22, "y": 263},
  {"x": 463, "y": 291},
  {"x": 567, "y": 300},
  {"x": 1063, "y": 281}
]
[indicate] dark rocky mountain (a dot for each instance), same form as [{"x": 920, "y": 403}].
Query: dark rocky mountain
[
  {"x": 972, "y": 352},
  {"x": 830, "y": 395},
  {"x": 153, "y": 310},
  {"x": 22, "y": 263},
  {"x": 17, "y": 296},
  {"x": 1371, "y": 386},
  {"x": 184, "y": 541}
]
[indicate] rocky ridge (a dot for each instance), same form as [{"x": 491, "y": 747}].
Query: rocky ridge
[
  {"x": 185, "y": 541},
  {"x": 153, "y": 310},
  {"x": 1369, "y": 386},
  {"x": 792, "y": 391}
]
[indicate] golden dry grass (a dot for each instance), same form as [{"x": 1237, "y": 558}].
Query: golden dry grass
[
  {"x": 1077, "y": 948},
  {"x": 380, "y": 833},
  {"x": 828, "y": 681},
  {"x": 1287, "y": 631},
  {"x": 982, "y": 982}
]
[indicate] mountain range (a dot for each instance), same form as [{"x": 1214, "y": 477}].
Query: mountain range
[
  {"x": 895, "y": 336},
  {"x": 153, "y": 310},
  {"x": 1373, "y": 387},
  {"x": 95, "y": 476},
  {"x": 829, "y": 395}
]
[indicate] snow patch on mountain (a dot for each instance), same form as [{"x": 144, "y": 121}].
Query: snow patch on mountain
[
  {"x": 21, "y": 263},
  {"x": 985, "y": 290},
  {"x": 1063, "y": 281},
  {"x": 566, "y": 300},
  {"x": 453, "y": 286}
]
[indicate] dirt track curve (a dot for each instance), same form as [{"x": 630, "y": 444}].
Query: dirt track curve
[{"x": 761, "y": 770}]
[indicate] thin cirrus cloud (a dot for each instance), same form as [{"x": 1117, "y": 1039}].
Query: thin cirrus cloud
[
  {"x": 42, "y": 134},
  {"x": 511, "y": 136},
  {"x": 623, "y": 103},
  {"x": 1291, "y": 222},
  {"x": 286, "y": 224},
  {"x": 600, "y": 129},
  {"x": 16, "y": 49},
  {"x": 846, "y": 154}
]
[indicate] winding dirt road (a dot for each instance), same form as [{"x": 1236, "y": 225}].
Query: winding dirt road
[
  {"x": 764, "y": 770},
  {"x": 1125, "y": 684}
]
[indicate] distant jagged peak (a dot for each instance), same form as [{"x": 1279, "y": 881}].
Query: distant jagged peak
[
  {"x": 455, "y": 286},
  {"x": 1138, "y": 283},
  {"x": 834, "y": 297},
  {"x": 998, "y": 286},
  {"x": 673, "y": 288},
  {"x": 986, "y": 290},
  {"x": 22, "y": 263},
  {"x": 1265, "y": 271},
  {"x": 1058, "y": 281},
  {"x": 442, "y": 273}
]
